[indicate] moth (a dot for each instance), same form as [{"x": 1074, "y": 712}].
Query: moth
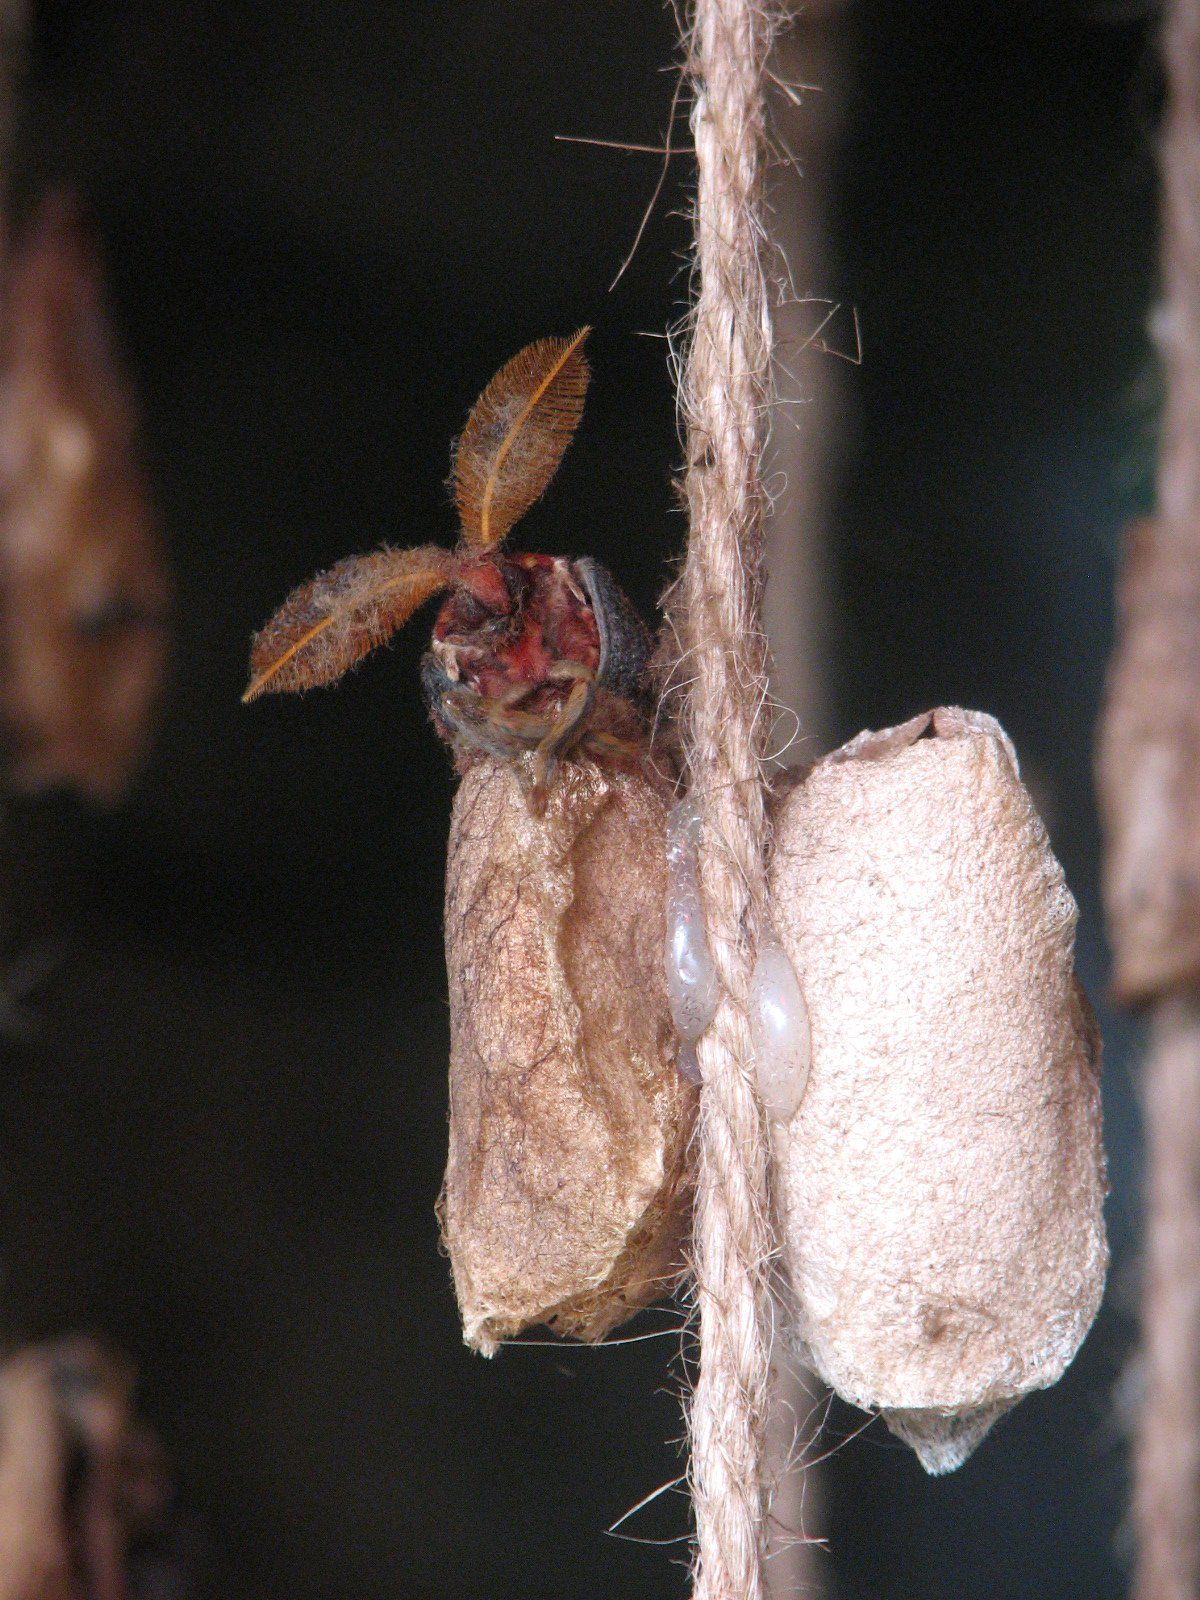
[
  {"x": 533, "y": 655},
  {"x": 568, "y": 1185}
]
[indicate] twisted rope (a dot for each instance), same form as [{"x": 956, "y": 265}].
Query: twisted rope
[{"x": 724, "y": 396}]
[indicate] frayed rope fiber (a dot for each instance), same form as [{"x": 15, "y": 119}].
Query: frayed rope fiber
[{"x": 724, "y": 395}]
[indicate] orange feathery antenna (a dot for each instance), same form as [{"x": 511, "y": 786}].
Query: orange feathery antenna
[
  {"x": 510, "y": 449},
  {"x": 332, "y": 621},
  {"x": 516, "y": 435}
]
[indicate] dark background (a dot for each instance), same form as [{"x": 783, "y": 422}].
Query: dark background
[{"x": 326, "y": 227}]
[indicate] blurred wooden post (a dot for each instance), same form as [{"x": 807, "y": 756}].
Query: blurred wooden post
[
  {"x": 801, "y": 473},
  {"x": 1149, "y": 773},
  {"x": 14, "y": 26},
  {"x": 803, "y": 452}
]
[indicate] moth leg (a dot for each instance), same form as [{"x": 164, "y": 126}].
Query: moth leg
[
  {"x": 549, "y": 739},
  {"x": 612, "y": 747},
  {"x": 495, "y": 733},
  {"x": 562, "y": 733},
  {"x": 501, "y": 729},
  {"x": 463, "y": 716}
]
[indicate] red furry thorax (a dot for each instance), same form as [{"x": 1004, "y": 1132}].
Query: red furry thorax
[{"x": 512, "y": 623}]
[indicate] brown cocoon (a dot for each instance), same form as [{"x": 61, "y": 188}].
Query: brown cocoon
[
  {"x": 566, "y": 1194},
  {"x": 85, "y": 592},
  {"x": 940, "y": 1188},
  {"x": 1149, "y": 767}
]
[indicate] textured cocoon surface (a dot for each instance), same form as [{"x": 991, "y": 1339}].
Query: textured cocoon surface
[
  {"x": 939, "y": 1192},
  {"x": 565, "y": 1197}
]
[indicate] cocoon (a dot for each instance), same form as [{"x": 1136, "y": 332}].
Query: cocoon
[
  {"x": 939, "y": 1190},
  {"x": 566, "y": 1192}
]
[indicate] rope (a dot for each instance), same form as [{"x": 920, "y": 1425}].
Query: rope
[{"x": 724, "y": 396}]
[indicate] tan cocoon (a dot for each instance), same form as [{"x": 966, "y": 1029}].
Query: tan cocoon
[
  {"x": 940, "y": 1188},
  {"x": 566, "y": 1196}
]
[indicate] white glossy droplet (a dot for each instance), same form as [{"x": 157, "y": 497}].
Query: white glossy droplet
[
  {"x": 689, "y": 1064},
  {"x": 692, "y": 987},
  {"x": 780, "y": 1029}
]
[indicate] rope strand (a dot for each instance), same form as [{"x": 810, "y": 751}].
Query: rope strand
[{"x": 724, "y": 397}]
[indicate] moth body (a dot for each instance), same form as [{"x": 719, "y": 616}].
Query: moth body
[
  {"x": 537, "y": 653},
  {"x": 567, "y": 1191}
]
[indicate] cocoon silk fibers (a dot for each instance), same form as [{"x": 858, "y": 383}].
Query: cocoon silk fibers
[
  {"x": 566, "y": 1194},
  {"x": 939, "y": 1191}
]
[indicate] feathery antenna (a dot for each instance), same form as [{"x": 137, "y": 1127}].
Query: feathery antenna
[
  {"x": 328, "y": 624},
  {"x": 516, "y": 435}
]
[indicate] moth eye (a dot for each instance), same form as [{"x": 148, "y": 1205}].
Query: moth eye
[
  {"x": 469, "y": 613},
  {"x": 693, "y": 990}
]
